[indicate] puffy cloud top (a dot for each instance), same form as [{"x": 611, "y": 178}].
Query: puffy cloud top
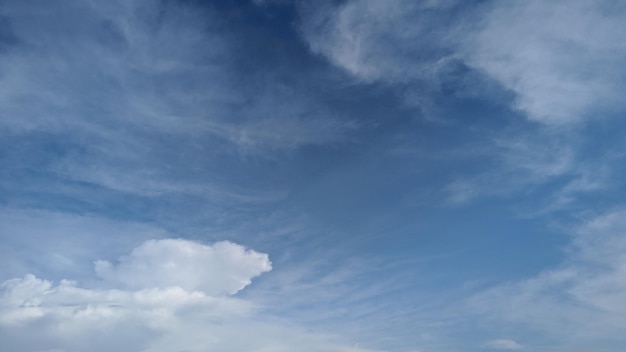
[
  {"x": 166, "y": 295},
  {"x": 223, "y": 268}
]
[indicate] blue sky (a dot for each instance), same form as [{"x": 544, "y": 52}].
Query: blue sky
[{"x": 351, "y": 176}]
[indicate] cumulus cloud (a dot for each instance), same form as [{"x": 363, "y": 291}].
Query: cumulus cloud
[
  {"x": 74, "y": 318},
  {"x": 30, "y": 298},
  {"x": 220, "y": 269},
  {"x": 166, "y": 295}
]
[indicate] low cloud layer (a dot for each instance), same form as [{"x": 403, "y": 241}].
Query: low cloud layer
[{"x": 166, "y": 295}]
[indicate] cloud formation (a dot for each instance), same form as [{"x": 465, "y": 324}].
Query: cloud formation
[
  {"x": 111, "y": 87},
  {"x": 579, "y": 303},
  {"x": 562, "y": 59},
  {"x": 374, "y": 40},
  {"x": 223, "y": 268},
  {"x": 166, "y": 295},
  {"x": 327, "y": 133},
  {"x": 557, "y": 64}
]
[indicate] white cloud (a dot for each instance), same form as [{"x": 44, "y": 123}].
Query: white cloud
[
  {"x": 375, "y": 40},
  {"x": 158, "y": 311},
  {"x": 563, "y": 59},
  {"x": 581, "y": 301},
  {"x": 219, "y": 269},
  {"x": 503, "y": 344},
  {"x": 68, "y": 316},
  {"x": 30, "y": 298}
]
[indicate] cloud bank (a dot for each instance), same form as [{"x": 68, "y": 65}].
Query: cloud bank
[{"x": 166, "y": 295}]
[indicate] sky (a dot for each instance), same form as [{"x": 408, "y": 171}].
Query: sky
[{"x": 332, "y": 175}]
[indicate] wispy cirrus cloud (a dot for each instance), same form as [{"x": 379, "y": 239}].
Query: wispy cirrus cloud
[
  {"x": 562, "y": 58},
  {"x": 111, "y": 87},
  {"x": 515, "y": 161},
  {"x": 580, "y": 302},
  {"x": 369, "y": 38},
  {"x": 558, "y": 73}
]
